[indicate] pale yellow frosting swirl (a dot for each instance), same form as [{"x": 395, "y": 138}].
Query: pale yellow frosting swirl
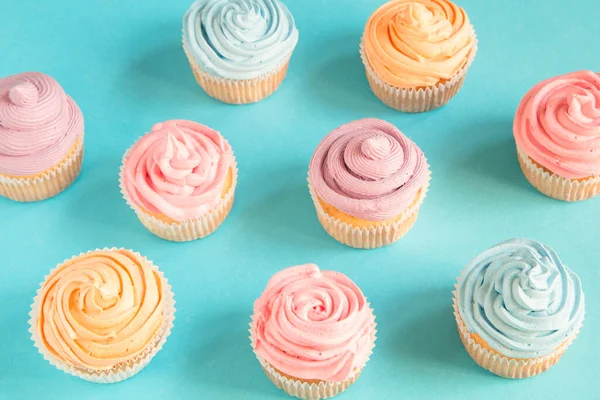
[
  {"x": 101, "y": 309},
  {"x": 418, "y": 43}
]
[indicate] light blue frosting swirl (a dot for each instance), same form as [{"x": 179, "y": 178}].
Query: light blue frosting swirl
[
  {"x": 521, "y": 299},
  {"x": 239, "y": 39}
]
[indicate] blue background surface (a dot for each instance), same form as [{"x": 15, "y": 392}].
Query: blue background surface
[{"x": 123, "y": 63}]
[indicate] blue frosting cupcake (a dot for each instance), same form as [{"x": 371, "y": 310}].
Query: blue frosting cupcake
[
  {"x": 518, "y": 308},
  {"x": 239, "y": 49}
]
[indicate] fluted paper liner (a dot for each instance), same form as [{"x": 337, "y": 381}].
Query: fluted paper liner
[
  {"x": 556, "y": 186},
  {"x": 122, "y": 370},
  {"x": 304, "y": 389},
  {"x": 416, "y": 100},
  {"x": 238, "y": 91},
  {"x": 183, "y": 231},
  {"x": 48, "y": 184},
  {"x": 380, "y": 235},
  {"x": 501, "y": 365}
]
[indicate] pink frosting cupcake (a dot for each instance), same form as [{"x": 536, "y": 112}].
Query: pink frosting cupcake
[
  {"x": 367, "y": 181},
  {"x": 180, "y": 180},
  {"x": 41, "y": 137},
  {"x": 557, "y": 131},
  {"x": 312, "y": 331}
]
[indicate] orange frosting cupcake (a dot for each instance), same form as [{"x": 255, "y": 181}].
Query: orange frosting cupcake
[
  {"x": 411, "y": 47},
  {"x": 102, "y": 315}
]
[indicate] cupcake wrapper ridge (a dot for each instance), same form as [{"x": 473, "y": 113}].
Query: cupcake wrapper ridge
[
  {"x": 305, "y": 390},
  {"x": 47, "y": 185},
  {"x": 189, "y": 230},
  {"x": 302, "y": 389},
  {"x": 412, "y": 100},
  {"x": 373, "y": 237},
  {"x": 121, "y": 371},
  {"x": 238, "y": 91},
  {"x": 503, "y": 366},
  {"x": 556, "y": 186}
]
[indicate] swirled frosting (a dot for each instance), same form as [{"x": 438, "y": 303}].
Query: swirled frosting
[
  {"x": 521, "y": 299},
  {"x": 368, "y": 169},
  {"x": 239, "y": 39},
  {"x": 178, "y": 169},
  {"x": 39, "y": 124},
  {"x": 418, "y": 43},
  {"x": 100, "y": 309},
  {"x": 557, "y": 124},
  {"x": 313, "y": 324}
]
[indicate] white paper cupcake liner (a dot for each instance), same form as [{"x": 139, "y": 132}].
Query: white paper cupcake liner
[
  {"x": 238, "y": 91},
  {"x": 382, "y": 234},
  {"x": 48, "y": 184},
  {"x": 183, "y": 231},
  {"x": 120, "y": 371},
  {"x": 416, "y": 100},
  {"x": 503, "y": 366},
  {"x": 556, "y": 186},
  {"x": 303, "y": 389}
]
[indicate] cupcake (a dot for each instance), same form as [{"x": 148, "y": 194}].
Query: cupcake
[
  {"x": 557, "y": 131},
  {"x": 312, "y": 332},
  {"x": 102, "y": 316},
  {"x": 367, "y": 181},
  {"x": 239, "y": 50},
  {"x": 41, "y": 137},
  {"x": 416, "y": 53},
  {"x": 518, "y": 308},
  {"x": 180, "y": 180}
]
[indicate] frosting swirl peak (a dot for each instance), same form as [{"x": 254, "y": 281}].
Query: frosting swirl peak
[
  {"x": 557, "y": 124},
  {"x": 24, "y": 94},
  {"x": 101, "y": 309},
  {"x": 418, "y": 43},
  {"x": 39, "y": 124},
  {"x": 368, "y": 169},
  {"x": 179, "y": 169},
  {"x": 521, "y": 299},
  {"x": 239, "y": 39},
  {"x": 313, "y": 324}
]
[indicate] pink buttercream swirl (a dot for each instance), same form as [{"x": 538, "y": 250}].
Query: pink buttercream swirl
[
  {"x": 368, "y": 169},
  {"x": 178, "y": 169},
  {"x": 313, "y": 324},
  {"x": 557, "y": 124},
  {"x": 39, "y": 124}
]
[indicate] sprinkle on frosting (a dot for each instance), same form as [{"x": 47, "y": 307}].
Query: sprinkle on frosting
[
  {"x": 39, "y": 124},
  {"x": 313, "y": 324},
  {"x": 557, "y": 124},
  {"x": 418, "y": 43},
  {"x": 239, "y": 39},
  {"x": 521, "y": 299},
  {"x": 368, "y": 169},
  {"x": 100, "y": 309},
  {"x": 178, "y": 169}
]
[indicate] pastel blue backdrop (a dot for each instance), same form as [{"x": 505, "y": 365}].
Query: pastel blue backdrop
[{"x": 123, "y": 63}]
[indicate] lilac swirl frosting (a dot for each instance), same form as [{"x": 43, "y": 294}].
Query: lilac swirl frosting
[
  {"x": 368, "y": 169},
  {"x": 39, "y": 124}
]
